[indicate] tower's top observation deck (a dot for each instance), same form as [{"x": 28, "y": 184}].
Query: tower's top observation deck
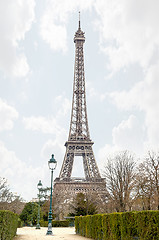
[{"x": 79, "y": 35}]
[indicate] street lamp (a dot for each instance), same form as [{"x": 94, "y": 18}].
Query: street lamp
[
  {"x": 52, "y": 163},
  {"x": 39, "y": 186}
]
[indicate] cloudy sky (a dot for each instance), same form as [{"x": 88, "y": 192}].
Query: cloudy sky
[{"x": 36, "y": 79}]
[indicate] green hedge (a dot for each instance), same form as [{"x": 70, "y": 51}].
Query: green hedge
[
  {"x": 20, "y": 223},
  {"x": 63, "y": 223},
  {"x": 142, "y": 225},
  {"x": 8, "y": 225}
]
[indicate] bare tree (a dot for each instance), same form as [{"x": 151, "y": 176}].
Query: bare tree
[
  {"x": 119, "y": 173},
  {"x": 153, "y": 163},
  {"x": 144, "y": 187},
  {"x": 61, "y": 204},
  {"x": 8, "y": 200},
  {"x": 16, "y": 205},
  {"x": 5, "y": 194},
  {"x": 148, "y": 180}
]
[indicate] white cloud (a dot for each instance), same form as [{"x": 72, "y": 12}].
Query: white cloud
[
  {"x": 56, "y": 15},
  {"x": 93, "y": 93},
  {"x": 144, "y": 97},
  {"x": 128, "y": 35},
  {"x": 21, "y": 67},
  {"x": 51, "y": 124},
  {"x": 104, "y": 153},
  {"x": 150, "y": 104},
  {"x": 22, "y": 178},
  {"x": 64, "y": 106},
  {"x": 15, "y": 20},
  {"x": 53, "y": 34},
  {"x": 128, "y": 31},
  {"x": 55, "y": 147},
  {"x": 52, "y": 147},
  {"x": 8, "y": 115},
  {"x": 45, "y": 125},
  {"x": 128, "y": 135}
]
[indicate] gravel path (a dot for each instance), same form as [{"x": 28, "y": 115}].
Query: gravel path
[{"x": 30, "y": 233}]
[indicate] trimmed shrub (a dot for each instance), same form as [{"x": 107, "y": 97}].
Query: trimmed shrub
[
  {"x": 142, "y": 225},
  {"x": 63, "y": 223},
  {"x": 90, "y": 226},
  {"x": 77, "y": 219},
  {"x": 115, "y": 225},
  {"x": 148, "y": 225},
  {"x": 129, "y": 225},
  {"x": 98, "y": 230},
  {"x": 106, "y": 225},
  {"x": 8, "y": 225},
  {"x": 20, "y": 223}
]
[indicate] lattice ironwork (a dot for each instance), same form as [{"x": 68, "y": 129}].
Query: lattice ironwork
[{"x": 79, "y": 142}]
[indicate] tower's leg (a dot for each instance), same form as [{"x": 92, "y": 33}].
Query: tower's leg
[
  {"x": 66, "y": 169},
  {"x": 90, "y": 166}
]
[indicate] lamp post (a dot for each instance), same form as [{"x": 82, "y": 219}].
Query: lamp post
[
  {"x": 38, "y": 217},
  {"x": 52, "y": 163}
]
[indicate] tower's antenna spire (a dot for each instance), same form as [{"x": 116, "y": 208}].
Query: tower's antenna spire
[{"x": 79, "y": 21}]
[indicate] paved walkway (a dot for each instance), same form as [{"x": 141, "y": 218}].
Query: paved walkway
[{"x": 30, "y": 233}]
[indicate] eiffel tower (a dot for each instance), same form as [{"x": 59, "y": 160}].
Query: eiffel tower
[{"x": 79, "y": 142}]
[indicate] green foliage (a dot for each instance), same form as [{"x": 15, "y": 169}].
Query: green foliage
[
  {"x": 115, "y": 225},
  {"x": 71, "y": 221},
  {"x": 98, "y": 233},
  {"x": 129, "y": 225},
  {"x": 29, "y": 213},
  {"x": 106, "y": 225},
  {"x": 20, "y": 223},
  {"x": 148, "y": 225},
  {"x": 8, "y": 225},
  {"x": 45, "y": 210},
  {"x": 83, "y": 206},
  {"x": 63, "y": 223},
  {"x": 143, "y": 225}
]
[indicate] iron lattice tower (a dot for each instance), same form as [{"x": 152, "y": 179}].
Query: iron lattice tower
[{"x": 79, "y": 142}]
